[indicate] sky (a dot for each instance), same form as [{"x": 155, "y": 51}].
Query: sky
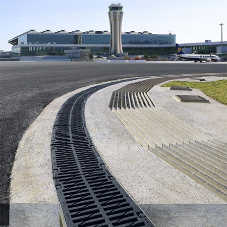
[{"x": 191, "y": 20}]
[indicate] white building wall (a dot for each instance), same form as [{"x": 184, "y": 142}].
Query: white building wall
[{"x": 221, "y": 49}]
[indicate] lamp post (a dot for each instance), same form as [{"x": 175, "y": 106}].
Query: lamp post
[{"x": 221, "y": 34}]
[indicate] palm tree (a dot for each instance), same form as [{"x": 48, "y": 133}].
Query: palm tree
[{"x": 146, "y": 56}]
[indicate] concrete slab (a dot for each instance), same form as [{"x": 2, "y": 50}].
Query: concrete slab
[
  {"x": 146, "y": 178},
  {"x": 209, "y": 118},
  {"x": 190, "y": 98},
  {"x": 34, "y": 214},
  {"x": 135, "y": 168},
  {"x": 186, "y": 215},
  {"x": 167, "y": 196}
]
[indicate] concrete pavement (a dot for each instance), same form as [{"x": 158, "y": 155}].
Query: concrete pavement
[
  {"x": 109, "y": 137},
  {"x": 26, "y": 88}
]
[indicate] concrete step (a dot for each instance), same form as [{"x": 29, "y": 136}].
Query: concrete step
[
  {"x": 206, "y": 153},
  {"x": 165, "y": 129},
  {"x": 202, "y": 155},
  {"x": 198, "y": 164},
  {"x": 137, "y": 101},
  {"x": 149, "y": 100},
  {"x": 149, "y": 128},
  {"x": 194, "y": 133},
  {"x": 210, "y": 150},
  {"x": 132, "y": 95},
  {"x": 216, "y": 147},
  {"x": 141, "y": 101},
  {"x": 176, "y": 128},
  {"x": 171, "y": 139},
  {"x": 206, "y": 178},
  {"x": 131, "y": 130},
  {"x": 151, "y": 141},
  {"x": 131, "y": 101},
  {"x": 219, "y": 143},
  {"x": 193, "y": 170},
  {"x": 150, "y": 137},
  {"x": 162, "y": 155},
  {"x": 146, "y": 104}
]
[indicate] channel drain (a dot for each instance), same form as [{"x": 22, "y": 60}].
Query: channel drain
[{"x": 88, "y": 193}]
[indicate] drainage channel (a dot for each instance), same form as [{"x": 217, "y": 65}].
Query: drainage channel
[{"x": 89, "y": 195}]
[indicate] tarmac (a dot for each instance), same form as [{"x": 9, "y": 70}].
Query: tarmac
[
  {"x": 166, "y": 195},
  {"x": 26, "y": 88}
]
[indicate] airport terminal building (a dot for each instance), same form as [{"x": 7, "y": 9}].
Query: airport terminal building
[{"x": 33, "y": 43}]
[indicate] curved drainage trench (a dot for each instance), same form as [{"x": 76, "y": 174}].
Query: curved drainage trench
[{"x": 89, "y": 195}]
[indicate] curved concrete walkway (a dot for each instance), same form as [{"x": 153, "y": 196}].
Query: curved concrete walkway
[
  {"x": 33, "y": 198},
  {"x": 166, "y": 195},
  {"x": 144, "y": 176}
]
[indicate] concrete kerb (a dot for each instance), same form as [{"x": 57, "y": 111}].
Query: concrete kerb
[{"x": 33, "y": 198}]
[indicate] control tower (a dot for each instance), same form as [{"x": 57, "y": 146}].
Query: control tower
[{"x": 115, "y": 16}]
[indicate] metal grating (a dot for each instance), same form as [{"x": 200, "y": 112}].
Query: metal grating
[
  {"x": 200, "y": 79},
  {"x": 180, "y": 88},
  {"x": 88, "y": 193},
  {"x": 191, "y": 98}
]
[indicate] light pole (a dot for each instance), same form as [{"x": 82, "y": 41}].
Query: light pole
[{"x": 221, "y": 34}]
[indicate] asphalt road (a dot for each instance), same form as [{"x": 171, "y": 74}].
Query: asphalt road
[{"x": 27, "y": 87}]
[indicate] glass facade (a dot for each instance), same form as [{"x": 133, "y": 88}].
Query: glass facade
[
  {"x": 115, "y": 8},
  {"x": 96, "y": 39},
  {"x": 50, "y": 39},
  {"x": 134, "y": 42},
  {"x": 22, "y": 39},
  {"x": 148, "y": 39},
  {"x": 39, "y": 51},
  {"x": 150, "y": 50},
  {"x": 203, "y": 49}
]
